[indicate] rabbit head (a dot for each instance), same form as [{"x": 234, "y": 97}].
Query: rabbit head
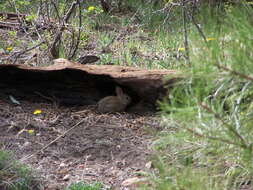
[{"x": 124, "y": 98}]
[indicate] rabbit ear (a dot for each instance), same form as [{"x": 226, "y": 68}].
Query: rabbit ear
[{"x": 119, "y": 91}]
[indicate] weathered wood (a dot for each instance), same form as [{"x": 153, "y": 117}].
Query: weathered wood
[
  {"x": 9, "y": 25},
  {"x": 70, "y": 80},
  {"x": 11, "y": 20},
  {"x": 14, "y": 21}
]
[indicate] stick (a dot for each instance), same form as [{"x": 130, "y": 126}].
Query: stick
[
  {"x": 57, "y": 138},
  {"x": 54, "y": 50},
  {"x": 186, "y": 45}
]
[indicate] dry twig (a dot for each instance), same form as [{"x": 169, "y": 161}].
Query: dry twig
[
  {"x": 60, "y": 136},
  {"x": 78, "y": 35},
  {"x": 186, "y": 44},
  {"x": 18, "y": 54},
  {"x": 54, "y": 49}
]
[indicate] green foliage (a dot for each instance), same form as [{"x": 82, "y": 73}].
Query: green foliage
[
  {"x": 21, "y": 5},
  {"x": 4, "y": 159},
  {"x": 30, "y": 18},
  {"x": 15, "y": 176},
  {"x": 12, "y": 34},
  {"x": 85, "y": 186},
  {"x": 208, "y": 143}
]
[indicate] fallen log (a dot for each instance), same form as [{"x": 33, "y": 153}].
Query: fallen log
[
  {"x": 11, "y": 21},
  {"x": 15, "y": 21},
  {"x": 72, "y": 83}
]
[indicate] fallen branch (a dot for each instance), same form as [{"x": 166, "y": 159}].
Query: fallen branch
[{"x": 18, "y": 54}]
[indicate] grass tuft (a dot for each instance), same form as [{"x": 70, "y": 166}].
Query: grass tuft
[
  {"x": 15, "y": 176},
  {"x": 85, "y": 186}
]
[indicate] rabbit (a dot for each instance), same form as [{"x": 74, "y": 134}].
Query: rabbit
[{"x": 114, "y": 103}]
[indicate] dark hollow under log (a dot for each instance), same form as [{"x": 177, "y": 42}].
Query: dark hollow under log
[{"x": 69, "y": 83}]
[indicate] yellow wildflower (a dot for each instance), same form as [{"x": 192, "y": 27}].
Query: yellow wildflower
[
  {"x": 181, "y": 49},
  {"x": 210, "y": 39},
  {"x": 30, "y": 131},
  {"x": 9, "y": 48},
  {"x": 36, "y": 112},
  {"x": 91, "y": 8}
]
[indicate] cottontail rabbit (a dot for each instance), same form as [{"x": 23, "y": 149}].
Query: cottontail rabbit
[{"x": 114, "y": 103}]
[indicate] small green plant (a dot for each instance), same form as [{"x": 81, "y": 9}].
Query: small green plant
[
  {"x": 12, "y": 34},
  {"x": 85, "y": 186},
  {"x": 15, "y": 176},
  {"x": 31, "y": 17},
  {"x": 94, "y": 10}
]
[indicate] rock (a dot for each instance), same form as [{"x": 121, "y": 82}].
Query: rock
[
  {"x": 133, "y": 181},
  {"x": 148, "y": 165},
  {"x": 66, "y": 177},
  {"x": 62, "y": 164},
  {"x": 88, "y": 59}
]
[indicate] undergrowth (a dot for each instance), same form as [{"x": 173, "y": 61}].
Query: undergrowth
[
  {"x": 207, "y": 138},
  {"x": 16, "y": 176},
  {"x": 207, "y": 143},
  {"x": 85, "y": 186}
]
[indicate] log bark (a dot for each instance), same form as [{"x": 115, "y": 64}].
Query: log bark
[{"x": 77, "y": 84}]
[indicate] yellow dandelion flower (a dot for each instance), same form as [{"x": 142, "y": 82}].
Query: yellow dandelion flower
[
  {"x": 36, "y": 112},
  {"x": 181, "y": 49},
  {"x": 210, "y": 39},
  {"x": 30, "y": 131},
  {"x": 9, "y": 48},
  {"x": 91, "y": 8}
]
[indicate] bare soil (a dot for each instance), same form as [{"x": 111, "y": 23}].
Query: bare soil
[{"x": 71, "y": 144}]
